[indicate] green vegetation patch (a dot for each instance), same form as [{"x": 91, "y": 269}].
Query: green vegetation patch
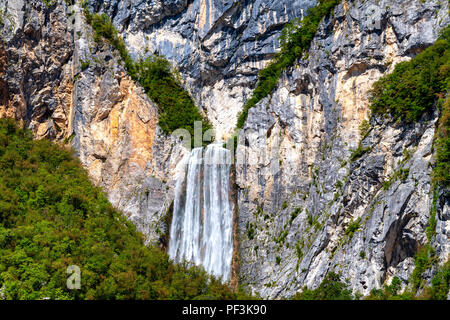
[
  {"x": 251, "y": 230},
  {"x": 401, "y": 174},
  {"x": 441, "y": 171},
  {"x": 440, "y": 284},
  {"x": 415, "y": 87},
  {"x": 331, "y": 288},
  {"x": 359, "y": 152},
  {"x": 353, "y": 227},
  {"x": 423, "y": 261}
]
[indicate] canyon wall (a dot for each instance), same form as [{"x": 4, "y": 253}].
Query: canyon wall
[
  {"x": 218, "y": 46},
  {"x": 298, "y": 185}
]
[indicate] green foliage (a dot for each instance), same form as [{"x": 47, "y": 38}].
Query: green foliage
[
  {"x": 390, "y": 292},
  {"x": 49, "y": 3},
  {"x": 440, "y": 285},
  {"x": 51, "y": 217},
  {"x": 295, "y": 40},
  {"x": 259, "y": 211},
  {"x": 401, "y": 174},
  {"x": 395, "y": 286},
  {"x": 311, "y": 220},
  {"x": 358, "y": 152},
  {"x": 298, "y": 250},
  {"x": 281, "y": 237},
  {"x": 423, "y": 261},
  {"x": 364, "y": 128},
  {"x": 430, "y": 230},
  {"x": 331, "y": 288},
  {"x": 277, "y": 260},
  {"x": 294, "y": 214},
  {"x": 413, "y": 87},
  {"x": 441, "y": 171},
  {"x": 85, "y": 65},
  {"x": 176, "y": 107}
]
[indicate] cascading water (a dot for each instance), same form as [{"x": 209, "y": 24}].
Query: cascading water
[{"x": 201, "y": 230}]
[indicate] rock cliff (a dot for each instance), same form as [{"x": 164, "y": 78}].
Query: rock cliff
[
  {"x": 217, "y": 46},
  {"x": 69, "y": 88},
  {"x": 305, "y": 205},
  {"x": 313, "y": 208}
]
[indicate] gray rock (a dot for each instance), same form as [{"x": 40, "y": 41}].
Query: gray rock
[{"x": 311, "y": 123}]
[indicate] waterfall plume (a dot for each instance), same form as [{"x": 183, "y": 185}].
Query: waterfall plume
[{"x": 201, "y": 230}]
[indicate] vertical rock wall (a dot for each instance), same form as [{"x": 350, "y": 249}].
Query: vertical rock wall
[
  {"x": 68, "y": 88},
  {"x": 304, "y": 207}
]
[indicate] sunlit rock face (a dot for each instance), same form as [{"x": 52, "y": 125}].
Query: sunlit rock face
[
  {"x": 297, "y": 189},
  {"x": 297, "y": 184},
  {"x": 217, "y": 45}
]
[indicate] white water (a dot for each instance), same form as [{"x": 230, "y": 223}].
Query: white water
[{"x": 201, "y": 230}]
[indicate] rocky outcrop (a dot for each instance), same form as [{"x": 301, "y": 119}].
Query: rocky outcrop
[
  {"x": 118, "y": 139},
  {"x": 316, "y": 207},
  {"x": 36, "y": 71},
  {"x": 217, "y": 46}
]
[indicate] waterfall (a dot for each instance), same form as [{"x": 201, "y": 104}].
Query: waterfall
[{"x": 201, "y": 230}]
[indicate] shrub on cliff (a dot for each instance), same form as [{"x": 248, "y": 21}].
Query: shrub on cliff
[{"x": 416, "y": 87}]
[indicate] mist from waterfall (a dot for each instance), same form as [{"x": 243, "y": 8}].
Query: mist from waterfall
[{"x": 202, "y": 223}]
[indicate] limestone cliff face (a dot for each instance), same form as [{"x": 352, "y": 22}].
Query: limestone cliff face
[
  {"x": 36, "y": 73},
  {"x": 217, "y": 45},
  {"x": 118, "y": 139},
  {"x": 296, "y": 184}
]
